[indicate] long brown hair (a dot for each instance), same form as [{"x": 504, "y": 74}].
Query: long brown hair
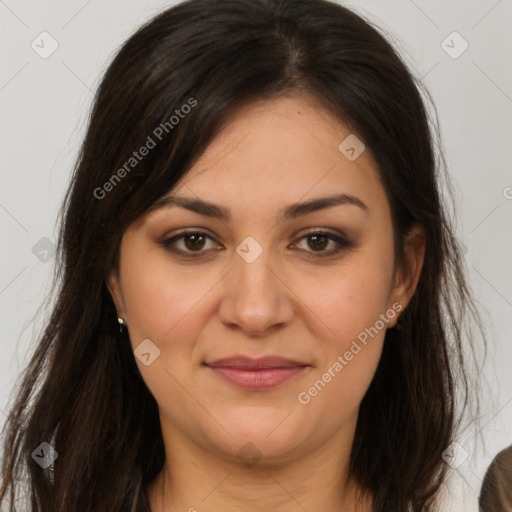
[{"x": 82, "y": 392}]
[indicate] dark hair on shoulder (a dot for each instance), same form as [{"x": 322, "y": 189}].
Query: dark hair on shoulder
[{"x": 82, "y": 391}]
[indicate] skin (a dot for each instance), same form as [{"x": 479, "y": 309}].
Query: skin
[{"x": 288, "y": 302}]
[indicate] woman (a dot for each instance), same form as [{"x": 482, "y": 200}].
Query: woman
[{"x": 261, "y": 300}]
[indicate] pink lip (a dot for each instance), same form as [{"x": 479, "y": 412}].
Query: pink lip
[{"x": 256, "y": 374}]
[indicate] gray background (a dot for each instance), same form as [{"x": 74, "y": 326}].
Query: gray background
[{"x": 44, "y": 107}]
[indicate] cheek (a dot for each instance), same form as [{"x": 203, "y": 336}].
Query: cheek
[
  {"x": 353, "y": 305},
  {"x": 163, "y": 299},
  {"x": 353, "y": 308},
  {"x": 349, "y": 299},
  {"x": 335, "y": 393},
  {"x": 168, "y": 305}
]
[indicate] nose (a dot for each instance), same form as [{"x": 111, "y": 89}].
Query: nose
[{"x": 255, "y": 298}]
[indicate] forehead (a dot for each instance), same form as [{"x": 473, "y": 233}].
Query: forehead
[{"x": 279, "y": 151}]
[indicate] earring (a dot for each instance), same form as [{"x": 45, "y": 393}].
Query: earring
[
  {"x": 398, "y": 324},
  {"x": 121, "y": 323}
]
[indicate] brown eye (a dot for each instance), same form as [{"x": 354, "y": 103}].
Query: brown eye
[
  {"x": 318, "y": 243},
  {"x": 194, "y": 241},
  {"x": 187, "y": 243}
]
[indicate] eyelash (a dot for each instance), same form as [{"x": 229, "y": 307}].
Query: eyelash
[{"x": 342, "y": 242}]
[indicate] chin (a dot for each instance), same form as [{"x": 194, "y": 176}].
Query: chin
[{"x": 264, "y": 440}]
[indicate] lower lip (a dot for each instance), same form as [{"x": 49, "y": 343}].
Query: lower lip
[{"x": 265, "y": 378}]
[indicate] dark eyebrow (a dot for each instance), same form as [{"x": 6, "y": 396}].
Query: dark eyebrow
[{"x": 291, "y": 212}]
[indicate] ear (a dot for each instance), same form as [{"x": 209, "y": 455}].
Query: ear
[
  {"x": 408, "y": 271},
  {"x": 114, "y": 288}
]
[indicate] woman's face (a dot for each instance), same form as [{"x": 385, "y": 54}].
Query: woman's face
[{"x": 257, "y": 282}]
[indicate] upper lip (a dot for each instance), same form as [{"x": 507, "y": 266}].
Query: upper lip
[{"x": 240, "y": 361}]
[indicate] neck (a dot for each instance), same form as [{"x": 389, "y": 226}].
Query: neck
[{"x": 196, "y": 481}]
